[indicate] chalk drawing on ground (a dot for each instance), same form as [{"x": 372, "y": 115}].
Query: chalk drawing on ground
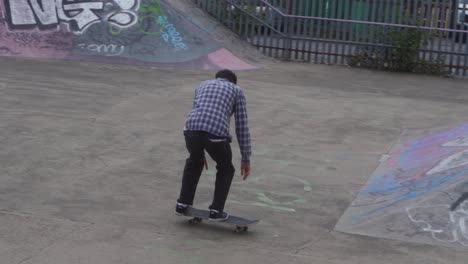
[
  {"x": 416, "y": 169},
  {"x": 442, "y": 224},
  {"x": 420, "y": 170},
  {"x": 273, "y": 198}
]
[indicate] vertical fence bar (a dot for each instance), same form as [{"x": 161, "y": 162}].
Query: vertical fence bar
[
  {"x": 252, "y": 23},
  {"x": 345, "y": 34},
  {"x": 394, "y": 11},
  {"x": 306, "y": 44},
  {"x": 245, "y": 12},
  {"x": 318, "y": 27},
  {"x": 276, "y": 24},
  {"x": 332, "y": 8},
  {"x": 435, "y": 10},
  {"x": 294, "y": 32},
  {"x": 372, "y": 29},
  {"x": 325, "y": 33},
  {"x": 238, "y": 17},
  {"x": 227, "y": 14},
  {"x": 263, "y": 27},
  {"x": 444, "y": 36},
  {"x": 301, "y": 8},
  {"x": 328, "y": 30},
  {"x": 390, "y": 17},
  {"x": 397, "y": 10},
  {"x": 269, "y": 33},
  {"x": 210, "y": 7},
  {"x": 405, "y": 18},
  {"x": 415, "y": 17},
  {"x": 381, "y": 16},
  {"x": 273, "y": 17},
  {"x": 451, "y": 41},
  {"x": 465, "y": 60},
  {"x": 408, "y": 9},
  {"x": 429, "y": 8},
  {"x": 301, "y": 32},
  {"x": 279, "y": 26},
  {"x": 443, "y": 46},
  {"x": 365, "y": 31},
  {"x": 462, "y": 38},
  {"x": 256, "y": 33},
  {"x": 287, "y": 40},
  {"x": 284, "y": 29},
  {"x": 421, "y": 21},
  {"x": 339, "y": 32},
  {"x": 350, "y": 28},
  {"x": 312, "y": 25},
  {"x": 352, "y": 48},
  {"x": 401, "y": 12},
  {"x": 458, "y": 44},
  {"x": 221, "y": 6}
]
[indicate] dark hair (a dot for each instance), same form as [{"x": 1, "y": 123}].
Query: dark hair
[{"x": 228, "y": 75}]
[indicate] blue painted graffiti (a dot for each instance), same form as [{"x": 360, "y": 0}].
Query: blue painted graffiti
[
  {"x": 416, "y": 169},
  {"x": 169, "y": 32}
]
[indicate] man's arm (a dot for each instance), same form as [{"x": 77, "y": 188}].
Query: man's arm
[
  {"x": 243, "y": 133},
  {"x": 195, "y": 97}
]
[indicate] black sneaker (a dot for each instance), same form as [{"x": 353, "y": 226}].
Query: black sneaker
[
  {"x": 181, "y": 209},
  {"x": 217, "y": 216}
]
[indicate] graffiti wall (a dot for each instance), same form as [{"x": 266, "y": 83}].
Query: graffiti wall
[
  {"x": 409, "y": 196},
  {"x": 148, "y": 32}
]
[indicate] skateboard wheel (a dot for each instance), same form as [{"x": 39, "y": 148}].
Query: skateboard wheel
[
  {"x": 240, "y": 229},
  {"x": 195, "y": 220}
]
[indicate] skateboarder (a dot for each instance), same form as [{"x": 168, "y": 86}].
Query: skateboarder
[{"x": 207, "y": 128}]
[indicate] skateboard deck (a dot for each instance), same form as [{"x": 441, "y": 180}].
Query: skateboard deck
[{"x": 241, "y": 224}]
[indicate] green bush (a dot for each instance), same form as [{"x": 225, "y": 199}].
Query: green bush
[{"x": 399, "y": 51}]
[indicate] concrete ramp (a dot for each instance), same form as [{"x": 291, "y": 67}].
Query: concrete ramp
[
  {"x": 142, "y": 32},
  {"x": 410, "y": 194}
]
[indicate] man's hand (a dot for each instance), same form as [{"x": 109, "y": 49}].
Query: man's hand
[{"x": 245, "y": 170}]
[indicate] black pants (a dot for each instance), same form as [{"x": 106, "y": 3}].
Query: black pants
[{"x": 220, "y": 151}]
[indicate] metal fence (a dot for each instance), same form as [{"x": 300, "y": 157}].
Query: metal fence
[{"x": 416, "y": 35}]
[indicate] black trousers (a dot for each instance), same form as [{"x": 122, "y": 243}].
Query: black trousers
[{"x": 220, "y": 151}]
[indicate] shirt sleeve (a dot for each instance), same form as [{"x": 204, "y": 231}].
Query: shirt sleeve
[
  {"x": 195, "y": 96},
  {"x": 242, "y": 128}
]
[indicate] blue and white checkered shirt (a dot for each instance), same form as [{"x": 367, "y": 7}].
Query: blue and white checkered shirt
[{"x": 214, "y": 104}]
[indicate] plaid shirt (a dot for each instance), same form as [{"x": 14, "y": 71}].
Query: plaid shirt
[{"x": 214, "y": 104}]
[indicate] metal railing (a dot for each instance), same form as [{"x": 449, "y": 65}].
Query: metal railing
[{"x": 356, "y": 32}]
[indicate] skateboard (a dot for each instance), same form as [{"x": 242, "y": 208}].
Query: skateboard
[{"x": 241, "y": 224}]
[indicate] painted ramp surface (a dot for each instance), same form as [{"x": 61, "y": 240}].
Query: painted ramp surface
[
  {"x": 409, "y": 195},
  {"x": 143, "y": 32}
]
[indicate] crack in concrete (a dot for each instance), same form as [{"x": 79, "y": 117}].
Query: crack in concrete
[
  {"x": 6, "y": 211},
  {"x": 53, "y": 243}
]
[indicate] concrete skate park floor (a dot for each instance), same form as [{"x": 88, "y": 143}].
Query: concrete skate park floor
[{"x": 92, "y": 155}]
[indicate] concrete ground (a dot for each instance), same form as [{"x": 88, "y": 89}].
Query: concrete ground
[{"x": 91, "y": 158}]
